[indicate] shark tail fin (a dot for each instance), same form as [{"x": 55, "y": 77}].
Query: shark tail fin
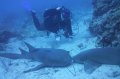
[
  {"x": 30, "y": 47},
  {"x": 11, "y": 55}
]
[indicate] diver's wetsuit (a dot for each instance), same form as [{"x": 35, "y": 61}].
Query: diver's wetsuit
[
  {"x": 66, "y": 22},
  {"x": 54, "y": 20}
]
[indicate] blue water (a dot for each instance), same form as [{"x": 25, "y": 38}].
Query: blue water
[
  {"x": 17, "y": 10},
  {"x": 18, "y": 6}
]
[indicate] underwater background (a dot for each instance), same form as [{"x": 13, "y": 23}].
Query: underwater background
[{"x": 95, "y": 24}]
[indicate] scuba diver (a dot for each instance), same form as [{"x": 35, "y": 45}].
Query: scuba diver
[
  {"x": 55, "y": 19},
  {"x": 66, "y": 21}
]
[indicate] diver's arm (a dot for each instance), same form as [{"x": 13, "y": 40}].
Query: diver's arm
[{"x": 37, "y": 24}]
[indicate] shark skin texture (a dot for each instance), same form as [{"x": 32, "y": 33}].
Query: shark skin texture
[
  {"x": 94, "y": 58},
  {"x": 49, "y": 57}
]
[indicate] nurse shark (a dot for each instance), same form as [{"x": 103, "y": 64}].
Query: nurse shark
[
  {"x": 94, "y": 58},
  {"x": 91, "y": 59},
  {"x": 49, "y": 57}
]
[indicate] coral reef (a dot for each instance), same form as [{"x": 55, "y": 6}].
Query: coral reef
[{"x": 105, "y": 23}]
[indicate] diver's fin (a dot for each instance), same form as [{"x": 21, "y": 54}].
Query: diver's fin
[
  {"x": 23, "y": 51},
  {"x": 35, "y": 69},
  {"x": 90, "y": 66},
  {"x": 30, "y": 47}
]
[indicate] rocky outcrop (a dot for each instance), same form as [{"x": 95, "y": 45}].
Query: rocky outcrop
[
  {"x": 5, "y": 36},
  {"x": 106, "y": 22}
]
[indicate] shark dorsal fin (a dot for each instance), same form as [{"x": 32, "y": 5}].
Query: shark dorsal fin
[
  {"x": 30, "y": 47},
  {"x": 23, "y": 51}
]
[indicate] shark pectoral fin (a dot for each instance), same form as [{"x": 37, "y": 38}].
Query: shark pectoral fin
[
  {"x": 90, "y": 66},
  {"x": 35, "y": 69}
]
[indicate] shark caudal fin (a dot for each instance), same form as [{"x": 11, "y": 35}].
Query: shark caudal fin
[
  {"x": 30, "y": 47},
  {"x": 11, "y": 55}
]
